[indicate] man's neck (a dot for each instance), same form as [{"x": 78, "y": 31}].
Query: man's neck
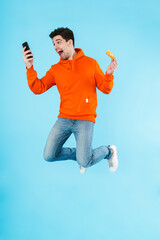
[{"x": 73, "y": 55}]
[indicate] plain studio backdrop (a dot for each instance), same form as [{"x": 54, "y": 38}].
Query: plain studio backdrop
[{"x": 42, "y": 200}]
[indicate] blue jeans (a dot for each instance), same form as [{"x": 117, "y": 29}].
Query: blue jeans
[{"x": 83, "y": 153}]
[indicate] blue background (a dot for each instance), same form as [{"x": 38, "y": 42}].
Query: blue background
[{"x": 41, "y": 200}]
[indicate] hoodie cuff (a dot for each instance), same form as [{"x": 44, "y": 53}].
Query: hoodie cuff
[
  {"x": 109, "y": 77},
  {"x": 30, "y": 69}
]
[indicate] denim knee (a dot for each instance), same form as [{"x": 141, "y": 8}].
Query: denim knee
[
  {"x": 49, "y": 157},
  {"x": 85, "y": 161}
]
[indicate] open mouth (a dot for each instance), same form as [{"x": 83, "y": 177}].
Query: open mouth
[{"x": 60, "y": 52}]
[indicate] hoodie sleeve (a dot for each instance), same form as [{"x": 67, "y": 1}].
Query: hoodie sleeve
[
  {"x": 104, "y": 82},
  {"x": 37, "y": 85}
]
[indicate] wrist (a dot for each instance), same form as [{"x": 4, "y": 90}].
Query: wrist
[
  {"x": 29, "y": 66},
  {"x": 108, "y": 73}
]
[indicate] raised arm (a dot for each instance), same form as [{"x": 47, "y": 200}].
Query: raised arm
[
  {"x": 37, "y": 85},
  {"x": 41, "y": 85},
  {"x": 104, "y": 82}
]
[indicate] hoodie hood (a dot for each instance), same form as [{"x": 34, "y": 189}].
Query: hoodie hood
[{"x": 69, "y": 64}]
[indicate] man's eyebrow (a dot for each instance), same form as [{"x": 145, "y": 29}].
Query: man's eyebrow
[{"x": 58, "y": 39}]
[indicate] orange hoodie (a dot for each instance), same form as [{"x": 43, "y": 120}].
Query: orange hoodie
[{"x": 76, "y": 81}]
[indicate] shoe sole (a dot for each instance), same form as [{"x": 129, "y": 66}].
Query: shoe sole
[{"x": 115, "y": 152}]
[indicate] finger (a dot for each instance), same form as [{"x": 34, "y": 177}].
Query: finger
[
  {"x": 114, "y": 68},
  {"x": 29, "y": 55},
  {"x": 26, "y": 52},
  {"x": 23, "y": 50},
  {"x": 116, "y": 64},
  {"x": 26, "y": 58},
  {"x": 29, "y": 59},
  {"x": 114, "y": 60},
  {"x": 113, "y": 65}
]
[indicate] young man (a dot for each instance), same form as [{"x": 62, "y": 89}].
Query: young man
[{"x": 76, "y": 77}]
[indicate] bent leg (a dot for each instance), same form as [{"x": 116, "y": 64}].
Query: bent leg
[
  {"x": 58, "y": 136},
  {"x": 87, "y": 157}
]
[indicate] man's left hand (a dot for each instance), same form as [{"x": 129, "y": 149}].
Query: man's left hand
[{"x": 113, "y": 66}]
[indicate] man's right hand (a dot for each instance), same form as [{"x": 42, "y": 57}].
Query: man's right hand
[{"x": 28, "y": 61}]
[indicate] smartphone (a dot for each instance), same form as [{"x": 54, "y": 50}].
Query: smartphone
[{"x": 25, "y": 44}]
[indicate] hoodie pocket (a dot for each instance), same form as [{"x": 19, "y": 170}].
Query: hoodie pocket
[{"x": 89, "y": 105}]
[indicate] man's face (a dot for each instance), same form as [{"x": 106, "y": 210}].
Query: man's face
[{"x": 62, "y": 47}]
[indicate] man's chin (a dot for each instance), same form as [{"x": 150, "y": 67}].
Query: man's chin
[{"x": 63, "y": 58}]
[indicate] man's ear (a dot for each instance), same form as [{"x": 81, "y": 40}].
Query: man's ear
[{"x": 70, "y": 42}]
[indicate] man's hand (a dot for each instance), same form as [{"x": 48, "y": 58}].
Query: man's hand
[
  {"x": 113, "y": 66},
  {"x": 28, "y": 61}
]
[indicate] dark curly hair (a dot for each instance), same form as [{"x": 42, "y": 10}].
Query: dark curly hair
[{"x": 65, "y": 33}]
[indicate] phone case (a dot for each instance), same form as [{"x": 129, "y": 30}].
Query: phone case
[{"x": 25, "y": 44}]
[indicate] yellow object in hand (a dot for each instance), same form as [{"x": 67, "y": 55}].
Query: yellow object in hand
[{"x": 111, "y": 55}]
